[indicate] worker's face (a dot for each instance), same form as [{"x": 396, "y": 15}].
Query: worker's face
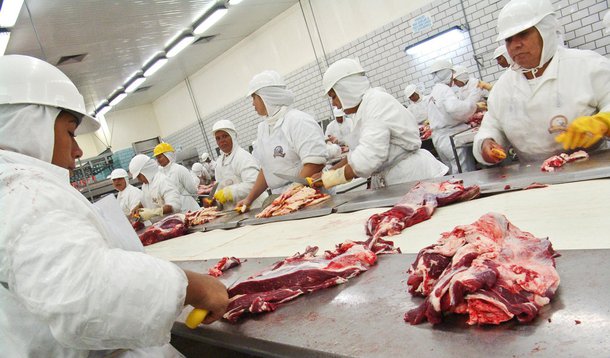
[
  {"x": 502, "y": 62},
  {"x": 224, "y": 141},
  {"x": 142, "y": 178},
  {"x": 458, "y": 83},
  {"x": 525, "y": 48},
  {"x": 339, "y": 119},
  {"x": 259, "y": 105},
  {"x": 162, "y": 160},
  {"x": 414, "y": 97},
  {"x": 66, "y": 149},
  {"x": 119, "y": 184},
  {"x": 335, "y": 99}
]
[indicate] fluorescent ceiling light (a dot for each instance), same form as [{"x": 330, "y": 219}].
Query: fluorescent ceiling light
[
  {"x": 180, "y": 45},
  {"x": 442, "y": 42},
  {"x": 135, "y": 84},
  {"x": 210, "y": 21},
  {"x": 118, "y": 99},
  {"x": 155, "y": 66},
  {"x": 9, "y": 12},
  {"x": 234, "y": 2},
  {"x": 4, "y": 37},
  {"x": 103, "y": 110}
]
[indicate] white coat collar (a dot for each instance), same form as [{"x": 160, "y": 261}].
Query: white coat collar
[{"x": 60, "y": 173}]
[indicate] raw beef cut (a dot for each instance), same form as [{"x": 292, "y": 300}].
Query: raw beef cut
[
  {"x": 293, "y": 199},
  {"x": 168, "y": 228},
  {"x": 202, "y": 216},
  {"x": 489, "y": 270},
  {"x": 223, "y": 265},
  {"x": 424, "y": 131},
  {"x": 418, "y": 205},
  {"x": 557, "y": 161},
  {"x": 295, "y": 276}
]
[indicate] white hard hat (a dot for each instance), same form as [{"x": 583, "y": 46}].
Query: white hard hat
[
  {"x": 28, "y": 80},
  {"x": 338, "y": 70},
  {"x": 337, "y": 112},
  {"x": 265, "y": 79},
  {"x": 118, "y": 173},
  {"x": 459, "y": 70},
  {"x": 409, "y": 90},
  {"x": 137, "y": 163},
  {"x": 204, "y": 157},
  {"x": 197, "y": 168},
  {"x": 519, "y": 15},
  {"x": 501, "y": 50},
  {"x": 222, "y": 125},
  {"x": 439, "y": 65}
]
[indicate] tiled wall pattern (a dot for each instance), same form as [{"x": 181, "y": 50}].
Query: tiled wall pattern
[{"x": 381, "y": 53}]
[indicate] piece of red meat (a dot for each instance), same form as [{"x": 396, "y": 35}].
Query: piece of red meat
[
  {"x": 295, "y": 276},
  {"x": 557, "y": 161},
  {"x": 223, "y": 265},
  {"x": 418, "y": 205},
  {"x": 167, "y": 228},
  {"x": 489, "y": 270}
]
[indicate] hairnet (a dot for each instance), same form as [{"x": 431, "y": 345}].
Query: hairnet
[
  {"x": 461, "y": 73},
  {"x": 150, "y": 169},
  {"x": 275, "y": 97},
  {"x": 351, "y": 89},
  {"x": 197, "y": 168},
  {"x": 547, "y": 27},
  {"x": 443, "y": 76},
  {"x": 28, "y": 129},
  {"x": 171, "y": 156},
  {"x": 337, "y": 112}
]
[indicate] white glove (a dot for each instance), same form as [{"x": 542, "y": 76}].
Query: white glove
[
  {"x": 146, "y": 214},
  {"x": 334, "y": 177}
]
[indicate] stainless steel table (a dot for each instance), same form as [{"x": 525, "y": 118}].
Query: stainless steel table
[{"x": 364, "y": 318}]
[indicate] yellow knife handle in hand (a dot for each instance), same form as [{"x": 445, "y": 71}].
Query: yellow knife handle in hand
[
  {"x": 498, "y": 153},
  {"x": 314, "y": 183},
  {"x": 195, "y": 318}
]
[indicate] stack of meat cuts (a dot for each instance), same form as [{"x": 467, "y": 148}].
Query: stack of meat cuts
[
  {"x": 168, "y": 228},
  {"x": 293, "y": 199},
  {"x": 418, "y": 205},
  {"x": 424, "y": 131},
  {"x": 223, "y": 265},
  {"x": 476, "y": 119},
  {"x": 295, "y": 276},
  {"x": 202, "y": 216},
  {"x": 490, "y": 271},
  {"x": 557, "y": 161}
]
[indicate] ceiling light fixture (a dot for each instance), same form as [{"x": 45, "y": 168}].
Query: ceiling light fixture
[
  {"x": 9, "y": 12},
  {"x": 135, "y": 83},
  {"x": 234, "y": 2},
  {"x": 121, "y": 96},
  {"x": 5, "y": 36},
  {"x": 154, "y": 65},
  {"x": 179, "y": 44},
  {"x": 209, "y": 20}
]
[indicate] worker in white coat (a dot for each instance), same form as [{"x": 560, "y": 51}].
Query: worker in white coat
[
  {"x": 468, "y": 86},
  {"x": 180, "y": 177},
  {"x": 159, "y": 196},
  {"x": 553, "y": 99},
  {"x": 386, "y": 136},
  {"x": 448, "y": 115},
  {"x": 67, "y": 286},
  {"x": 417, "y": 103},
  {"x": 288, "y": 141},
  {"x": 236, "y": 169},
  {"x": 209, "y": 164},
  {"x": 200, "y": 174},
  {"x": 502, "y": 58},
  {"x": 338, "y": 131},
  {"x": 129, "y": 196}
]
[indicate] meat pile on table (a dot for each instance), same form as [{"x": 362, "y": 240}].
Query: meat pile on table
[
  {"x": 167, "y": 228},
  {"x": 202, "y": 216},
  {"x": 557, "y": 161},
  {"x": 489, "y": 270},
  {"x": 296, "y": 197},
  {"x": 223, "y": 265}
]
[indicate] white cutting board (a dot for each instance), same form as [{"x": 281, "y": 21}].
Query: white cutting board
[{"x": 573, "y": 216}]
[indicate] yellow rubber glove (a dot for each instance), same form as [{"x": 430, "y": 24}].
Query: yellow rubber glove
[
  {"x": 334, "y": 177},
  {"x": 223, "y": 195},
  {"x": 585, "y": 131},
  {"x": 484, "y": 85},
  {"x": 146, "y": 213}
]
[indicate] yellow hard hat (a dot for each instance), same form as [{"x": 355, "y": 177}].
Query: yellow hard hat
[{"x": 163, "y": 148}]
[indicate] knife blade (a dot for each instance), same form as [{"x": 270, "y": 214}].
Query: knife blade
[{"x": 304, "y": 181}]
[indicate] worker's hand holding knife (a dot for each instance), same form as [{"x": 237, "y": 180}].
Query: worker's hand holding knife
[
  {"x": 209, "y": 297},
  {"x": 492, "y": 152}
]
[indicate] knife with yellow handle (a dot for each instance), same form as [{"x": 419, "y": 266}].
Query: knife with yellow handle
[
  {"x": 195, "y": 318},
  {"x": 498, "y": 153}
]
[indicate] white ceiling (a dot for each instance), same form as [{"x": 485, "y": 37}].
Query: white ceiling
[{"x": 119, "y": 36}]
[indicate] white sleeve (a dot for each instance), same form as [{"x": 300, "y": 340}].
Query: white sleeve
[
  {"x": 490, "y": 128},
  {"x": 186, "y": 180},
  {"x": 331, "y": 129},
  {"x": 374, "y": 144},
  {"x": 307, "y": 138},
  {"x": 247, "y": 169},
  {"x": 91, "y": 296},
  {"x": 171, "y": 195},
  {"x": 458, "y": 110},
  {"x": 134, "y": 197}
]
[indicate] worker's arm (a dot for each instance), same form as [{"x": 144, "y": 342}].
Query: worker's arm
[
  {"x": 208, "y": 293},
  {"x": 259, "y": 187}
]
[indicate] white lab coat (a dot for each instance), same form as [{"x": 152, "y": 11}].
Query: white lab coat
[
  {"x": 71, "y": 290},
  {"x": 471, "y": 90},
  {"x": 340, "y": 130},
  {"x": 419, "y": 109},
  {"x": 182, "y": 180},
  {"x": 448, "y": 115},
  {"x": 294, "y": 140},
  {"x": 159, "y": 192},
  {"x": 238, "y": 172},
  {"x": 522, "y": 113},
  {"x": 387, "y": 143},
  {"x": 129, "y": 198}
]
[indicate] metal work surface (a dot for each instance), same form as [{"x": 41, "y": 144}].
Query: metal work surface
[
  {"x": 364, "y": 317},
  {"x": 493, "y": 180}
]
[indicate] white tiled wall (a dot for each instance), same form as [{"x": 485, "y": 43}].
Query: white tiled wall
[{"x": 381, "y": 53}]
